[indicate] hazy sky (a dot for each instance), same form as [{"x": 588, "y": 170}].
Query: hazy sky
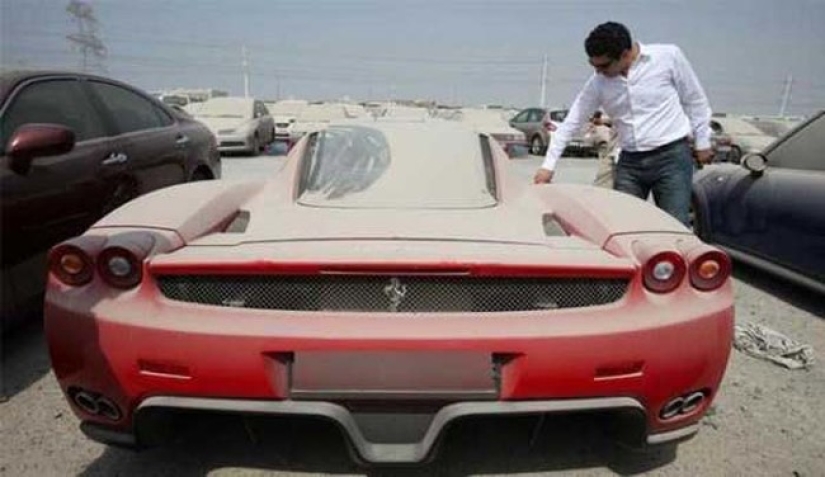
[{"x": 461, "y": 51}]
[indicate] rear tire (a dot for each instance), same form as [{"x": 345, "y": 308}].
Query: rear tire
[
  {"x": 537, "y": 147},
  {"x": 255, "y": 147},
  {"x": 200, "y": 175}
]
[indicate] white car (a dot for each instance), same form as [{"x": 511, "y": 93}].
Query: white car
[
  {"x": 240, "y": 124},
  {"x": 745, "y": 137},
  {"x": 494, "y": 123},
  {"x": 285, "y": 112}
]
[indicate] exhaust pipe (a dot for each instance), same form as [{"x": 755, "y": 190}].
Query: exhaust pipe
[
  {"x": 108, "y": 409},
  {"x": 692, "y": 402},
  {"x": 672, "y": 408},
  {"x": 682, "y": 405},
  {"x": 87, "y": 402}
]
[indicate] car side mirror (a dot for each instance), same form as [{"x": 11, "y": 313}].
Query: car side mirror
[
  {"x": 756, "y": 163},
  {"x": 33, "y": 140}
]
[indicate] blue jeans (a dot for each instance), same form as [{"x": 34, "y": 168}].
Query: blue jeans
[{"x": 668, "y": 173}]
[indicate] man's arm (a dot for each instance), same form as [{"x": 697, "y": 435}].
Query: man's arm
[
  {"x": 583, "y": 107},
  {"x": 695, "y": 104}
]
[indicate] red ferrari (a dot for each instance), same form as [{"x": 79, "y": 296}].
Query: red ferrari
[{"x": 391, "y": 278}]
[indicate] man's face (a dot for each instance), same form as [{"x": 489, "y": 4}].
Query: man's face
[{"x": 607, "y": 66}]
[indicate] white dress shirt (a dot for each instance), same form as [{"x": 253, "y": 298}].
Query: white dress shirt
[{"x": 658, "y": 102}]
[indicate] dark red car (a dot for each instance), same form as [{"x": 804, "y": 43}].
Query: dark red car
[{"x": 74, "y": 147}]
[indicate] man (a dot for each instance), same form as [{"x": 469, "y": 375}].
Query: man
[
  {"x": 607, "y": 147},
  {"x": 655, "y": 103}
]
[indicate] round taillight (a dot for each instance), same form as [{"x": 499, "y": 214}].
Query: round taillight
[
  {"x": 663, "y": 272},
  {"x": 119, "y": 267},
  {"x": 709, "y": 270},
  {"x": 71, "y": 265}
]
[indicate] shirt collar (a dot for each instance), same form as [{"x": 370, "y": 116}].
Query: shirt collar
[{"x": 644, "y": 53}]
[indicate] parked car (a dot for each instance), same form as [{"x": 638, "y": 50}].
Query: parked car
[
  {"x": 285, "y": 112},
  {"x": 722, "y": 145},
  {"x": 770, "y": 211},
  {"x": 538, "y": 124},
  {"x": 318, "y": 115},
  {"x": 74, "y": 147},
  {"x": 492, "y": 122},
  {"x": 390, "y": 278},
  {"x": 744, "y": 137},
  {"x": 241, "y": 124}
]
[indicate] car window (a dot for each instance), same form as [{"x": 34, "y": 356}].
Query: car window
[
  {"x": 803, "y": 150},
  {"x": 536, "y": 115},
  {"x": 131, "y": 111},
  {"x": 521, "y": 117},
  {"x": 558, "y": 116},
  {"x": 54, "y": 101},
  {"x": 363, "y": 167}
]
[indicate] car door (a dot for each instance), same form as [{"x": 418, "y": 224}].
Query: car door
[
  {"x": 155, "y": 145},
  {"x": 61, "y": 195},
  {"x": 779, "y": 215}
]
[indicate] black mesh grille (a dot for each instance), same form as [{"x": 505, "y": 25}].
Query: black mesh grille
[{"x": 371, "y": 293}]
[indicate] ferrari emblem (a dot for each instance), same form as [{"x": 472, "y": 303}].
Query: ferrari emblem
[{"x": 395, "y": 291}]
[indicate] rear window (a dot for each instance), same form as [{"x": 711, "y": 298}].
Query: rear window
[{"x": 356, "y": 166}]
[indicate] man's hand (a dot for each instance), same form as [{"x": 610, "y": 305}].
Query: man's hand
[
  {"x": 703, "y": 156},
  {"x": 543, "y": 176}
]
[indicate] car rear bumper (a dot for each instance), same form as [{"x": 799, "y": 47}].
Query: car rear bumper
[
  {"x": 417, "y": 445},
  {"x": 142, "y": 351}
]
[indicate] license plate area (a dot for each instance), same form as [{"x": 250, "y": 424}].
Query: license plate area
[{"x": 393, "y": 375}]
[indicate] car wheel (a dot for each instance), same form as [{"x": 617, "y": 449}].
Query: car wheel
[
  {"x": 536, "y": 146},
  {"x": 200, "y": 175},
  {"x": 735, "y": 155},
  {"x": 255, "y": 146}
]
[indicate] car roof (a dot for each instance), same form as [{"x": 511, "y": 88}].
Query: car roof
[{"x": 10, "y": 79}]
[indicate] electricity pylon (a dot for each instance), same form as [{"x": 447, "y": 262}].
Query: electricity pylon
[{"x": 86, "y": 40}]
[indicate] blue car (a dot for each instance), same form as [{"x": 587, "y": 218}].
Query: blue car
[{"x": 769, "y": 211}]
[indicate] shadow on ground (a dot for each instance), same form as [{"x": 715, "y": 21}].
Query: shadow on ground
[
  {"x": 24, "y": 358},
  {"x": 797, "y": 296},
  {"x": 481, "y": 446}
]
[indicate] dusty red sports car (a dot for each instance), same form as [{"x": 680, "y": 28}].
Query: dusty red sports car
[{"x": 391, "y": 278}]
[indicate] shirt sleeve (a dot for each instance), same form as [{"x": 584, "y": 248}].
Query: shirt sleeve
[
  {"x": 583, "y": 107},
  {"x": 693, "y": 99}
]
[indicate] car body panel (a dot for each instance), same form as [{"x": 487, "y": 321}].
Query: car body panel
[{"x": 761, "y": 215}]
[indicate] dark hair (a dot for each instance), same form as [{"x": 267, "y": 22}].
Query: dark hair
[{"x": 609, "y": 39}]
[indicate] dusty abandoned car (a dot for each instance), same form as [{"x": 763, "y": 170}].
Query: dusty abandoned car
[
  {"x": 770, "y": 210},
  {"x": 391, "y": 278}
]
